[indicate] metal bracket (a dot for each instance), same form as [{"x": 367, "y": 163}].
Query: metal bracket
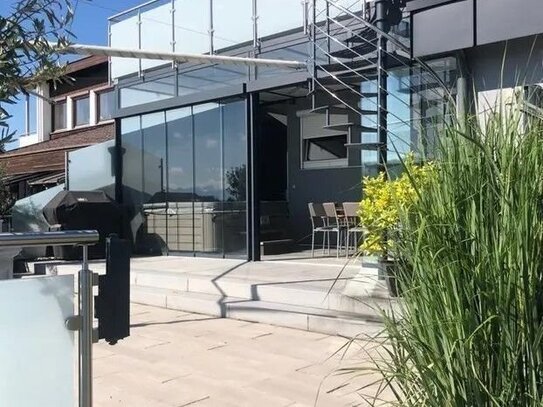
[{"x": 74, "y": 323}]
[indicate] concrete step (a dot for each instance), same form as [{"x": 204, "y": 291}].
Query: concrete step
[
  {"x": 291, "y": 316},
  {"x": 305, "y": 294}
]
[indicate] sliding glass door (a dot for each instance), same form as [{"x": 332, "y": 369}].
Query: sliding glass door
[{"x": 188, "y": 169}]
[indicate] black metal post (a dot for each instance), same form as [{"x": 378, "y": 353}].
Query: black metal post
[
  {"x": 381, "y": 22},
  {"x": 253, "y": 175},
  {"x": 248, "y": 180}
]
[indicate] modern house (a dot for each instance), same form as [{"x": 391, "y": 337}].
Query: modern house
[
  {"x": 70, "y": 115},
  {"x": 215, "y": 159}
]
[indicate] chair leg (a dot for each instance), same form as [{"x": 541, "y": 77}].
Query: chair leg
[
  {"x": 347, "y": 244},
  {"x": 338, "y": 240},
  {"x": 313, "y": 244}
]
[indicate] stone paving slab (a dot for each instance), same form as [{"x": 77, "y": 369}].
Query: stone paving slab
[{"x": 176, "y": 359}]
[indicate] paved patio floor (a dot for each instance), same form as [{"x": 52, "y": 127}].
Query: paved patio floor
[{"x": 179, "y": 359}]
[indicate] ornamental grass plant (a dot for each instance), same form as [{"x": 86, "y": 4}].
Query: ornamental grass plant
[{"x": 469, "y": 331}]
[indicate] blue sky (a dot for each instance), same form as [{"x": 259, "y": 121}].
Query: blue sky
[{"x": 89, "y": 27}]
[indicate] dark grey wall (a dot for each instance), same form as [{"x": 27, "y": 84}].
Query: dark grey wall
[
  {"x": 314, "y": 185},
  {"x": 467, "y": 23},
  {"x": 522, "y": 61},
  {"x": 443, "y": 29}
]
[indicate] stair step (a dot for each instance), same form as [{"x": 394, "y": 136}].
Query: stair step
[
  {"x": 350, "y": 66},
  {"x": 291, "y": 316},
  {"x": 341, "y": 110},
  {"x": 303, "y": 293},
  {"x": 351, "y": 79},
  {"x": 367, "y": 34},
  {"x": 331, "y": 110},
  {"x": 357, "y": 51},
  {"x": 347, "y": 126},
  {"x": 366, "y": 146}
]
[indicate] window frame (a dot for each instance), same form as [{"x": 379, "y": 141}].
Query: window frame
[
  {"x": 100, "y": 92},
  {"x": 75, "y": 99},
  {"x": 63, "y": 101},
  {"x": 320, "y": 164}
]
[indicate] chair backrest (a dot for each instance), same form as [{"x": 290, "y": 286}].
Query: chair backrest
[
  {"x": 351, "y": 209},
  {"x": 317, "y": 214},
  {"x": 330, "y": 210},
  {"x": 316, "y": 210}
]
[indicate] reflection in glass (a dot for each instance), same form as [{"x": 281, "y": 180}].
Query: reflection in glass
[
  {"x": 81, "y": 111},
  {"x": 184, "y": 175},
  {"x": 154, "y": 181},
  {"x": 59, "y": 116},
  {"x": 132, "y": 149},
  {"x": 235, "y": 174},
  {"x": 207, "y": 176},
  {"x": 148, "y": 91},
  {"x": 181, "y": 232}
]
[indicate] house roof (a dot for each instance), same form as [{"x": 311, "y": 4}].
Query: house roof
[{"x": 50, "y": 155}]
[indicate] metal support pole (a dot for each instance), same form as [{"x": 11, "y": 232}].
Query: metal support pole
[
  {"x": 254, "y": 141},
  {"x": 211, "y": 29},
  {"x": 381, "y": 7},
  {"x": 85, "y": 334}
]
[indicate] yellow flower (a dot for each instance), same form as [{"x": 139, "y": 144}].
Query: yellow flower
[{"x": 384, "y": 199}]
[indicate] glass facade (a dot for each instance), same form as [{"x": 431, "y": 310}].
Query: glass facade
[{"x": 184, "y": 176}]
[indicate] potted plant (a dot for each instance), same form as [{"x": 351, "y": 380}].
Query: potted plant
[{"x": 383, "y": 202}]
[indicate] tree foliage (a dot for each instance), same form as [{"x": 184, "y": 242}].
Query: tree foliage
[{"x": 30, "y": 34}]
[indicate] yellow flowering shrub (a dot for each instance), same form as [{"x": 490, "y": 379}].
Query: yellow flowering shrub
[{"x": 384, "y": 199}]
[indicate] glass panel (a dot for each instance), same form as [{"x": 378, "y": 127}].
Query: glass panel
[
  {"x": 208, "y": 186},
  {"x": 124, "y": 34},
  {"x": 37, "y": 351},
  {"x": 325, "y": 148},
  {"x": 59, "y": 116},
  {"x": 235, "y": 173},
  {"x": 81, "y": 111},
  {"x": 299, "y": 52},
  {"x": 149, "y": 91},
  {"x": 192, "y": 26},
  {"x": 369, "y": 159},
  {"x": 275, "y": 16},
  {"x": 154, "y": 181},
  {"x": 132, "y": 160},
  {"x": 106, "y": 105},
  {"x": 211, "y": 77},
  {"x": 232, "y": 22},
  {"x": 180, "y": 180},
  {"x": 99, "y": 175},
  {"x": 399, "y": 123},
  {"x": 156, "y": 32}
]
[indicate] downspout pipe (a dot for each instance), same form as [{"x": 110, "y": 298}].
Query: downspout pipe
[{"x": 381, "y": 22}]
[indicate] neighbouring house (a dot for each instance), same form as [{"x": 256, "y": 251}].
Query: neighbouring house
[
  {"x": 70, "y": 115},
  {"x": 222, "y": 159}
]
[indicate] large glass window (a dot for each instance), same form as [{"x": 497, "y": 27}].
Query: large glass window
[
  {"x": 184, "y": 175},
  {"x": 153, "y": 129},
  {"x": 181, "y": 231},
  {"x": 234, "y": 177},
  {"x": 207, "y": 177},
  {"x": 81, "y": 111},
  {"x": 59, "y": 116}
]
